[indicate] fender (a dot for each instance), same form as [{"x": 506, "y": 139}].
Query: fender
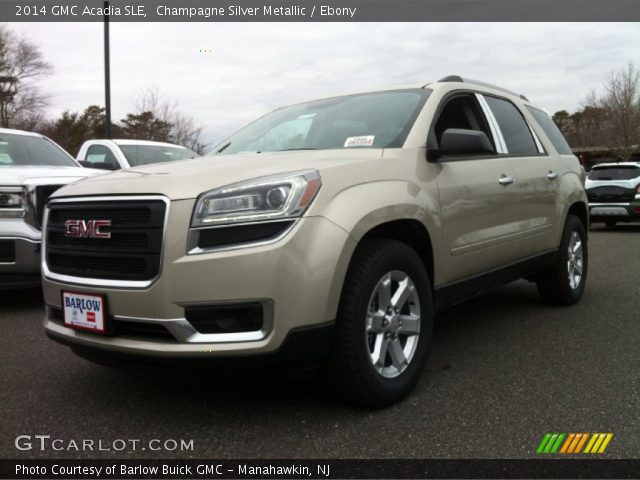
[
  {"x": 570, "y": 191},
  {"x": 360, "y": 208}
]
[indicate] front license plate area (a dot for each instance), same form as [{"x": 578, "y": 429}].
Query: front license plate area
[{"x": 84, "y": 311}]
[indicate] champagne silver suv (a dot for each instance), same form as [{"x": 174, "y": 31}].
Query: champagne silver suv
[{"x": 325, "y": 233}]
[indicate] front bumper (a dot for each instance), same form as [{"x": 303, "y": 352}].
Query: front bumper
[
  {"x": 298, "y": 280},
  {"x": 20, "y": 262},
  {"x": 620, "y": 212}
]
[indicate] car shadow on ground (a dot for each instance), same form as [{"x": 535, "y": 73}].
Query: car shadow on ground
[
  {"x": 619, "y": 228},
  {"x": 30, "y": 297}
]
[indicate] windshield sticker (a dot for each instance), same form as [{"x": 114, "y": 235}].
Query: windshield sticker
[{"x": 363, "y": 141}]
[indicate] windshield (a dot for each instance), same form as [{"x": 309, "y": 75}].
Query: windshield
[
  {"x": 147, "y": 154},
  {"x": 30, "y": 150},
  {"x": 369, "y": 120},
  {"x": 621, "y": 172}
]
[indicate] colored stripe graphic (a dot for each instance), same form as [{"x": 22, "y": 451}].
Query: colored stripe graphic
[
  {"x": 573, "y": 443},
  {"x": 598, "y": 442},
  {"x": 550, "y": 443}
]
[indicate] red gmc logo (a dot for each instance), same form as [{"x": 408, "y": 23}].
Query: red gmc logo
[{"x": 86, "y": 229}]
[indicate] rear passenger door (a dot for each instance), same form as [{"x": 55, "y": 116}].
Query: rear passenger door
[
  {"x": 479, "y": 203},
  {"x": 536, "y": 176}
]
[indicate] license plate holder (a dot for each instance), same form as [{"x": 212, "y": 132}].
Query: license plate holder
[{"x": 85, "y": 311}]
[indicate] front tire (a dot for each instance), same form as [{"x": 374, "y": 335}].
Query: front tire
[
  {"x": 384, "y": 325},
  {"x": 565, "y": 282}
]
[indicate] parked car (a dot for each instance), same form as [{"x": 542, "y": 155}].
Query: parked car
[
  {"x": 325, "y": 233},
  {"x": 32, "y": 167},
  {"x": 613, "y": 190},
  {"x": 117, "y": 154}
]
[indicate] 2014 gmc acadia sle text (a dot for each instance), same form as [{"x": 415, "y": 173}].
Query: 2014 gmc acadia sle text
[{"x": 326, "y": 234}]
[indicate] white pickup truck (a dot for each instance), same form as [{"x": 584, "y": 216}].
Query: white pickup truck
[{"x": 117, "y": 154}]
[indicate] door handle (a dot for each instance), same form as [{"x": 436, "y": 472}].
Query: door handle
[
  {"x": 505, "y": 180},
  {"x": 552, "y": 175}
]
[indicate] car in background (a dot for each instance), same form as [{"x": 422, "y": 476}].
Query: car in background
[
  {"x": 32, "y": 167},
  {"x": 613, "y": 190},
  {"x": 117, "y": 154}
]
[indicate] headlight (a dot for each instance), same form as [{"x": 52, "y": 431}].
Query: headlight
[
  {"x": 265, "y": 198},
  {"x": 12, "y": 202}
]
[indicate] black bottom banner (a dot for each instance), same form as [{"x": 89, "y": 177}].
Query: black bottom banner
[{"x": 220, "y": 469}]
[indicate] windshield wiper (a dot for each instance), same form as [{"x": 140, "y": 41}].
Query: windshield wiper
[
  {"x": 223, "y": 148},
  {"x": 290, "y": 149}
]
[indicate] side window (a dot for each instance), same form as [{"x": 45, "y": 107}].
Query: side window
[
  {"x": 514, "y": 128},
  {"x": 551, "y": 130},
  {"x": 101, "y": 154},
  {"x": 461, "y": 111}
]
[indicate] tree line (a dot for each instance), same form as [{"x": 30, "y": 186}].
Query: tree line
[
  {"x": 609, "y": 119},
  {"x": 23, "y": 105}
]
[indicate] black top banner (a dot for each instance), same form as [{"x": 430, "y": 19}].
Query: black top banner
[{"x": 320, "y": 11}]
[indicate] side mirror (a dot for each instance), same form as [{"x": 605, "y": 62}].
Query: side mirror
[
  {"x": 458, "y": 141},
  {"x": 99, "y": 165}
]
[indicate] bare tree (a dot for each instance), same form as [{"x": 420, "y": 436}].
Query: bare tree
[
  {"x": 21, "y": 63},
  {"x": 622, "y": 105},
  {"x": 184, "y": 130}
]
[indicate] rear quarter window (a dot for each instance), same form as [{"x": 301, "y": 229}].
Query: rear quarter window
[{"x": 551, "y": 130}]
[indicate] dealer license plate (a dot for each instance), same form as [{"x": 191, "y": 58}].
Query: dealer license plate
[{"x": 84, "y": 311}]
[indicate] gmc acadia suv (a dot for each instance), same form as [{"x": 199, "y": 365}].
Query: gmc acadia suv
[{"x": 325, "y": 233}]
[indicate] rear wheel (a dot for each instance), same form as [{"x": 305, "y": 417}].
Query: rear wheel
[
  {"x": 565, "y": 282},
  {"x": 384, "y": 325}
]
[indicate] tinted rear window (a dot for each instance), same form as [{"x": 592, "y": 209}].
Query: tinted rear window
[
  {"x": 622, "y": 172},
  {"x": 514, "y": 129},
  {"x": 551, "y": 130}
]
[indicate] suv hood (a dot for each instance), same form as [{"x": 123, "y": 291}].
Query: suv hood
[
  {"x": 185, "y": 179},
  {"x": 41, "y": 175}
]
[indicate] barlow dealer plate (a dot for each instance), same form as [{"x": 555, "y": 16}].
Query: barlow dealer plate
[{"x": 84, "y": 311}]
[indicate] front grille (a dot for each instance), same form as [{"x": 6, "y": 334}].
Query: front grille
[
  {"x": 132, "y": 253},
  {"x": 43, "y": 192},
  {"x": 143, "y": 330},
  {"x": 124, "y": 328},
  {"x": 611, "y": 194},
  {"x": 7, "y": 251}
]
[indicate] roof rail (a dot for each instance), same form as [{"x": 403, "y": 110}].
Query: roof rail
[
  {"x": 458, "y": 78},
  {"x": 451, "y": 78}
]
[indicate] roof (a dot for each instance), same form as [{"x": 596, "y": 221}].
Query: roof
[
  {"x": 19, "y": 132},
  {"x": 123, "y": 141}
]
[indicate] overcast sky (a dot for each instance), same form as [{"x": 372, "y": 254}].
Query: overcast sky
[{"x": 249, "y": 69}]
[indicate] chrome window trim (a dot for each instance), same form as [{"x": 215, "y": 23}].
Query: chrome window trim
[
  {"x": 185, "y": 332},
  {"x": 535, "y": 137},
  {"x": 100, "y": 282},
  {"x": 501, "y": 147},
  {"x": 192, "y": 241}
]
